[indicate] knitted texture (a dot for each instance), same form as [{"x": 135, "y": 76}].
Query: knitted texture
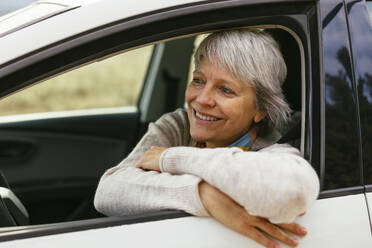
[{"x": 274, "y": 182}]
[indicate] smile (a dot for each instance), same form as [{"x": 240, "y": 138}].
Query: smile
[{"x": 205, "y": 117}]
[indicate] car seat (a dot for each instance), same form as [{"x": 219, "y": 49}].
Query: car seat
[
  {"x": 292, "y": 85},
  {"x": 12, "y": 211}
]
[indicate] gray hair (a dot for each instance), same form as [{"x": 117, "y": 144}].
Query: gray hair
[{"x": 253, "y": 57}]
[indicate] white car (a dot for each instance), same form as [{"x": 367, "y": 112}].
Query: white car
[{"x": 103, "y": 69}]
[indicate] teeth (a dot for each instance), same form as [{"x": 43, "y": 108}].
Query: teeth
[{"x": 206, "y": 118}]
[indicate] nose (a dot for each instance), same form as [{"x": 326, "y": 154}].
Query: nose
[{"x": 206, "y": 97}]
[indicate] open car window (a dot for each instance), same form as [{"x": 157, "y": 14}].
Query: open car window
[
  {"x": 113, "y": 82},
  {"x": 132, "y": 78},
  {"x": 94, "y": 143}
]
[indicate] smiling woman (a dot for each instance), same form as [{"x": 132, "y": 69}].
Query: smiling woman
[
  {"x": 198, "y": 161},
  {"x": 220, "y": 108},
  {"x": 240, "y": 93}
]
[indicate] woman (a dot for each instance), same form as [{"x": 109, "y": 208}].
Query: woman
[{"x": 220, "y": 158}]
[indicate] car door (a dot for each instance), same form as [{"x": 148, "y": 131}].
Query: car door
[
  {"x": 316, "y": 28},
  {"x": 360, "y": 23},
  {"x": 342, "y": 173}
]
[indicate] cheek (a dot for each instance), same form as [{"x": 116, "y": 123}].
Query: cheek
[
  {"x": 234, "y": 108},
  {"x": 190, "y": 94},
  {"x": 240, "y": 112},
  {"x": 187, "y": 94}
]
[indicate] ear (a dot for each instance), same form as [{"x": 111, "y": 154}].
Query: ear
[{"x": 259, "y": 116}]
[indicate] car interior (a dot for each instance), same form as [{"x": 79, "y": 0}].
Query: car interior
[{"x": 52, "y": 165}]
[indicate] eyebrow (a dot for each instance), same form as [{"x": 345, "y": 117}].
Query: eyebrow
[
  {"x": 196, "y": 71},
  {"x": 234, "y": 83}
]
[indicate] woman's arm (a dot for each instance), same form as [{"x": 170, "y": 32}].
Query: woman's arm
[
  {"x": 275, "y": 182},
  {"x": 125, "y": 189},
  {"x": 228, "y": 212},
  {"x": 221, "y": 207},
  {"x": 132, "y": 191}
]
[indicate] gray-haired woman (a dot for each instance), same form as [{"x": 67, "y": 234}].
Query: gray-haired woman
[{"x": 220, "y": 158}]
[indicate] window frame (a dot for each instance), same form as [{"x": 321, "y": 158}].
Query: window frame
[{"x": 359, "y": 15}]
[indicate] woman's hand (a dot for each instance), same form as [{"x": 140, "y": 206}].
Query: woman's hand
[
  {"x": 150, "y": 161},
  {"x": 229, "y": 213}
]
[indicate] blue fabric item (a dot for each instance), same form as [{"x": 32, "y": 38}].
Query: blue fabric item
[{"x": 244, "y": 141}]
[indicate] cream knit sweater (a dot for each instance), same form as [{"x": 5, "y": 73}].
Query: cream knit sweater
[{"x": 272, "y": 180}]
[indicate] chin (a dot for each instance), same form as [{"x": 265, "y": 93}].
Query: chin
[{"x": 199, "y": 137}]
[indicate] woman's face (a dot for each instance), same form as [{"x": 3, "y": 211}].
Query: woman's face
[{"x": 220, "y": 108}]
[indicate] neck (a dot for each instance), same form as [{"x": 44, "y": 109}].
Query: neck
[
  {"x": 213, "y": 145},
  {"x": 252, "y": 133}
]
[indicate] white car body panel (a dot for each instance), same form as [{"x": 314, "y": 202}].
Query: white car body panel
[
  {"x": 29, "y": 14},
  {"x": 62, "y": 26},
  {"x": 369, "y": 202},
  {"x": 322, "y": 222}
]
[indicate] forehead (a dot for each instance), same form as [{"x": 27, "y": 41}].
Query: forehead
[
  {"x": 214, "y": 68},
  {"x": 213, "y": 65}
]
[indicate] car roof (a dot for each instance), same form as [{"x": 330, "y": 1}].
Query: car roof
[
  {"x": 33, "y": 13},
  {"x": 27, "y": 30},
  {"x": 45, "y": 22}
]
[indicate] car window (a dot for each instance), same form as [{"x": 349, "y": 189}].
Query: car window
[{"x": 112, "y": 82}]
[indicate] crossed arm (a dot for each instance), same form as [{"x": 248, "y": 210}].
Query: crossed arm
[
  {"x": 223, "y": 208},
  {"x": 188, "y": 181}
]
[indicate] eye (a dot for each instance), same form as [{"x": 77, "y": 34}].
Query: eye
[
  {"x": 226, "y": 90},
  {"x": 197, "y": 81}
]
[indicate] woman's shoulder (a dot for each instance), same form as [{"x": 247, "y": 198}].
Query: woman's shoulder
[
  {"x": 267, "y": 140},
  {"x": 176, "y": 125},
  {"x": 178, "y": 114},
  {"x": 177, "y": 119},
  {"x": 281, "y": 148}
]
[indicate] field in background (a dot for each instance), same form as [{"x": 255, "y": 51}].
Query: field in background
[{"x": 113, "y": 82}]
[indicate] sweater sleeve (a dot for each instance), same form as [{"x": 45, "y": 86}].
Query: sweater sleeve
[
  {"x": 275, "y": 182},
  {"x": 125, "y": 189}
]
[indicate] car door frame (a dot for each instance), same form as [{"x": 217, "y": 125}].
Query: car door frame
[
  {"x": 286, "y": 15},
  {"x": 360, "y": 23}
]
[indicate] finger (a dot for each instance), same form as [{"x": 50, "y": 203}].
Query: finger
[
  {"x": 294, "y": 228},
  {"x": 138, "y": 165},
  {"x": 259, "y": 237},
  {"x": 277, "y": 233}
]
